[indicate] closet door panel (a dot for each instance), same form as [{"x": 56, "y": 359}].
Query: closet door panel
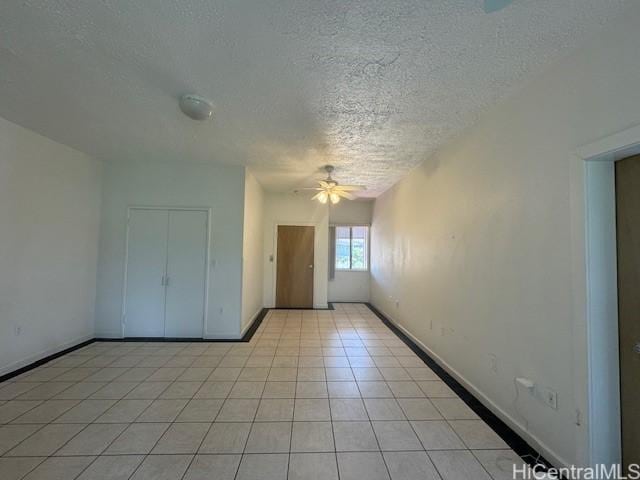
[
  {"x": 146, "y": 263},
  {"x": 186, "y": 267}
]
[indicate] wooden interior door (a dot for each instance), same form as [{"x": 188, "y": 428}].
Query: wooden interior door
[
  {"x": 628, "y": 239},
  {"x": 294, "y": 278}
]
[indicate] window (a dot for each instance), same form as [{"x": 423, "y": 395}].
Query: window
[{"x": 352, "y": 248}]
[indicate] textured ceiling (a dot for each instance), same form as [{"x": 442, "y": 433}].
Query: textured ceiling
[{"x": 372, "y": 86}]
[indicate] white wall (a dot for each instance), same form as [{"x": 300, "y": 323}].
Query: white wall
[
  {"x": 290, "y": 209},
  {"x": 220, "y": 188},
  {"x": 350, "y": 286},
  {"x": 351, "y": 212},
  {"x": 49, "y": 221},
  {"x": 252, "y": 249},
  {"x": 476, "y": 244}
]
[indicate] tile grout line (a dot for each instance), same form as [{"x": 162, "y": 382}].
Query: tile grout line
[
  {"x": 145, "y": 456},
  {"x": 128, "y": 425},
  {"x": 333, "y": 433},
  {"x": 375, "y": 435}
]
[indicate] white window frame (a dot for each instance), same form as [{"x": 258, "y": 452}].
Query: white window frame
[{"x": 367, "y": 253}]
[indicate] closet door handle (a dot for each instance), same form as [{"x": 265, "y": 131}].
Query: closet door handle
[
  {"x": 166, "y": 280},
  {"x": 162, "y": 281}
]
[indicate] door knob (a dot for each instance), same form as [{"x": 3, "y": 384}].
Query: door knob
[
  {"x": 636, "y": 348},
  {"x": 310, "y": 266}
]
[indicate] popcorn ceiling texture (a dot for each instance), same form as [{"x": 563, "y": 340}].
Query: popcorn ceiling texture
[{"x": 371, "y": 86}]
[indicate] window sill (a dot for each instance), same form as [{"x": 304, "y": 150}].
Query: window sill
[{"x": 352, "y": 270}]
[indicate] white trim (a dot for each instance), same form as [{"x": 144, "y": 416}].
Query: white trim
[
  {"x": 43, "y": 354},
  {"x": 208, "y": 211},
  {"x": 316, "y": 248},
  {"x": 595, "y": 320},
  {"x": 615, "y": 145},
  {"x": 534, "y": 441}
]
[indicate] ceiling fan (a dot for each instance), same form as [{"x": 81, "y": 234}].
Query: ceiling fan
[
  {"x": 330, "y": 190},
  {"x": 491, "y": 6}
]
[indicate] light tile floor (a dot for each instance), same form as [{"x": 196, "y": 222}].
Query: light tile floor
[{"x": 314, "y": 395}]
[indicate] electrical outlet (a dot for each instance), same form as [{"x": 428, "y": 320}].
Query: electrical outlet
[
  {"x": 18, "y": 330},
  {"x": 550, "y": 397}
]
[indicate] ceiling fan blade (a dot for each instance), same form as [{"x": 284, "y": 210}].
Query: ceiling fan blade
[
  {"x": 344, "y": 194},
  {"x": 350, "y": 188},
  {"x": 316, "y": 195},
  {"x": 324, "y": 184},
  {"x": 309, "y": 188},
  {"x": 491, "y": 6}
]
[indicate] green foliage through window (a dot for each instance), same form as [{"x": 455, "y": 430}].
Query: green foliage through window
[{"x": 352, "y": 248}]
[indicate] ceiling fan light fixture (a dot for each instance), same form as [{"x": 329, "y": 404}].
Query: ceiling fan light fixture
[{"x": 330, "y": 190}]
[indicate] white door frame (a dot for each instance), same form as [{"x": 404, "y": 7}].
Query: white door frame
[
  {"x": 274, "y": 265},
  {"x": 595, "y": 296},
  {"x": 207, "y": 210}
]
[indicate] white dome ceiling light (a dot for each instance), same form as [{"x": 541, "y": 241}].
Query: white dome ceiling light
[{"x": 196, "y": 107}]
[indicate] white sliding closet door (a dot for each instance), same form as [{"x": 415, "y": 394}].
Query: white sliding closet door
[
  {"x": 186, "y": 263},
  {"x": 166, "y": 273},
  {"x": 146, "y": 266}
]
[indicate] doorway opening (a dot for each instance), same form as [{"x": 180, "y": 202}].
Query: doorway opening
[
  {"x": 627, "y": 178},
  {"x": 595, "y": 292}
]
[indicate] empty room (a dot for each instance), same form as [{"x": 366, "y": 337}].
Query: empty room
[{"x": 319, "y": 239}]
